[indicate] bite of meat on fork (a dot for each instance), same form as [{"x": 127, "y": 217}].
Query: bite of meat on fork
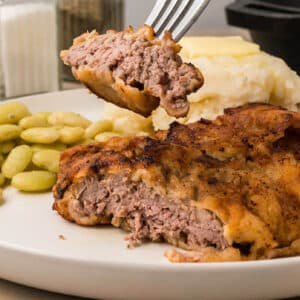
[{"x": 134, "y": 70}]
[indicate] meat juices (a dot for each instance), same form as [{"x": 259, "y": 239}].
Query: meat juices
[{"x": 134, "y": 70}]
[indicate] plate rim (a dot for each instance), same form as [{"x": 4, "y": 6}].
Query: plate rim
[{"x": 205, "y": 266}]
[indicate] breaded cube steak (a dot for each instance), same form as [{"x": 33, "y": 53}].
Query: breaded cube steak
[{"x": 226, "y": 189}]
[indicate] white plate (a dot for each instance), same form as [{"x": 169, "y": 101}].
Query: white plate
[{"x": 94, "y": 262}]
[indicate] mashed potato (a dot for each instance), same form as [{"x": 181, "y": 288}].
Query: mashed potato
[
  {"x": 126, "y": 122},
  {"x": 235, "y": 72}
]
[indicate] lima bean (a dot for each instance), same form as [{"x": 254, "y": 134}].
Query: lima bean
[
  {"x": 40, "y": 135},
  {"x": 17, "y": 161},
  {"x": 47, "y": 159},
  {"x": 33, "y": 121},
  {"x": 13, "y": 112},
  {"x": 68, "y": 119},
  {"x": 34, "y": 181},
  {"x": 43, "y": 114},
  {"x": 98, "y": 127},
  {"x": 71, "y": 135},
  {"x": 55, "y": 146},
  {"x": 104, "y": 136},
  {"x": 9, "y": 132},
  {"x": 84, "y": 142},
  {"x": 131, "y": 126}
]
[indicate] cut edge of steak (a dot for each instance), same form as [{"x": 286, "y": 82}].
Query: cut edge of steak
[{"x": 146, "y": 214}]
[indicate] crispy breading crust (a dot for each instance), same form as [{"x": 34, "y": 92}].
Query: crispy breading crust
[{"x": 244, "y": 167}]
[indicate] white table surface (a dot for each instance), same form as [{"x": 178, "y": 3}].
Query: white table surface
[{"x": 12, "y": 291}]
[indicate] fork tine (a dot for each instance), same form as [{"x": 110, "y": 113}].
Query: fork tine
[
  {"x": 189, "y": 19},
  {"x": 157, "y": 11},
  {"x": 166, "y": 16},
  {"x": 179, "y": 13}
]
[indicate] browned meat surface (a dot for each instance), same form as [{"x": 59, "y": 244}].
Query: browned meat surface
[
  {"x": 227, "y": 189},
  {"x": 134, "y": 70}
]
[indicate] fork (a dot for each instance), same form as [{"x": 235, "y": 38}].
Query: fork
[{"x": 176, "y": 16}]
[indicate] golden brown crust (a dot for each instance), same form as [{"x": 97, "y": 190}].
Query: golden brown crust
[
  {"x": 208, "y": 254},
  {"x": 102, "y": 84},
  {"x": 244, "y": 167}
]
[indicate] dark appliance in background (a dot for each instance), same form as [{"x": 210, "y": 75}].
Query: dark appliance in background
[
  {"x": 78, "y": 16},
  {"x": 273, "y": 24}
]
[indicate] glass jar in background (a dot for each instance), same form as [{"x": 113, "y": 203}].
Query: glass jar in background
[
  {"x": 32, "y": 33},
  {"x": 78, "y": 16},
  {"x": 28, "y": 47}
]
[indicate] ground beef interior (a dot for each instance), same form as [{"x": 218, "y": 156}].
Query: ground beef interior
[{"x": 145, "y": 214}]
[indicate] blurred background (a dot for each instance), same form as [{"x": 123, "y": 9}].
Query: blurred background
[
  {"x": 32, "y": 33},
  {"x": 211, "y": 22}
]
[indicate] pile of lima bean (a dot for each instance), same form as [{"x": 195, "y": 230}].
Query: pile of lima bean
[{"x": 30, "y": 144}]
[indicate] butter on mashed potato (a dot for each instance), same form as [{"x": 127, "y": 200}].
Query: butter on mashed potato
[{"x": 235, "y": 72}]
